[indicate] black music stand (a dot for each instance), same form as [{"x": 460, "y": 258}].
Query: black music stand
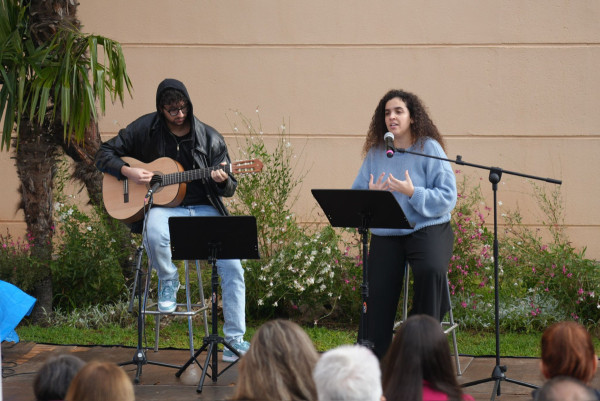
[
  {"x": 212, "y": 238},
  {"x": 362, "y": 209}
]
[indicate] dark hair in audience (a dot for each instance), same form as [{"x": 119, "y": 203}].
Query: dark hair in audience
[
  {"x": 278, "y": 365},
  {"x": 567, "y": 350},
  {"x": 54, "y": 377},
  {"x": 101, "y": 381},
  {"x": 419, "y": 351}
]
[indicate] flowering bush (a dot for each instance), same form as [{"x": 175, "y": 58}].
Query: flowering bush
[
  {"x": 305, "y": 271},
  {"x": 86, "y": 267},
  {"x": 471, "y": 266},
  {"x": 17, "y": 266},
  {"x": 553, "y": 269},
  {"x": 540, "y": 282}
]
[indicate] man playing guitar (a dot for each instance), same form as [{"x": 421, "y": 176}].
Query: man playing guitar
[{"x": 173, "y": 131}]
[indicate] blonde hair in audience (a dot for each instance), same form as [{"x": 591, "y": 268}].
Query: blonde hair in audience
[
  {"x": 101, "y": 381},
  {"x": 278, "y": 365}
]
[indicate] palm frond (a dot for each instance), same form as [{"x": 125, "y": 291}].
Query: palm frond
[{"x": 62, "y": 79}]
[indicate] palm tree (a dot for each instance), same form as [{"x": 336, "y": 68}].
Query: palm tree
[{"x": 53, "y": 77}]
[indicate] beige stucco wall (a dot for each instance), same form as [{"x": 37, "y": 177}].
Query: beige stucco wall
[{"x": 510, "y": 84}]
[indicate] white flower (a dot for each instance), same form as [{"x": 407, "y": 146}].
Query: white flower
[
  {"x": 499, "y": 203},
  {"x": 89, "y": 228},
  {"x": 275, "y": 303},
  {"x": 259, "y": 302}
]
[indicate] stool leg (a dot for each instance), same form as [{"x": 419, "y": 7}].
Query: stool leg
[
  {"x": 202, "y": 299},
  {"x": 189, "y": 307},
  {"x": 453, "y": 327}
]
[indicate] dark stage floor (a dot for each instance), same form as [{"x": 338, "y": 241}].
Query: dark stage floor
[{"x": 20, "y": 362}]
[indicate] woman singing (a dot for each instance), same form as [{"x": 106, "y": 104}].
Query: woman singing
[{"x": 425, "y": 188}]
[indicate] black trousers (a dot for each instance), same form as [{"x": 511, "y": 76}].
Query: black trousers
[{"x": 428, "y": 251}]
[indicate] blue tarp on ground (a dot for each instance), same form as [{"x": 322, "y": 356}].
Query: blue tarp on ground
[{"x": 14, "y": 306}]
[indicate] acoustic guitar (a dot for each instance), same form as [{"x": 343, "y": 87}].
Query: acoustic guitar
[{"x": 127, "y": 201}]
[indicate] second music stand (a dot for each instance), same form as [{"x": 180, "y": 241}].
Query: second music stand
[
  {"x": 212, "y": 238},
  {"x": 362, "y": 209}
]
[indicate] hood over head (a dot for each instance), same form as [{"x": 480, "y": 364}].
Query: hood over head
[{"x": 171, "y": 83}]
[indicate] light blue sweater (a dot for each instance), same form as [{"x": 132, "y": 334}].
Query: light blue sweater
[{"x": 433, "y": 179}]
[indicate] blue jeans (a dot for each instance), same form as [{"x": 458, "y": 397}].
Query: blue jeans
[{"x": 158, "y": 246}]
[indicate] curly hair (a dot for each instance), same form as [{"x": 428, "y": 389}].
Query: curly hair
[{"x": 422, "y": 126}]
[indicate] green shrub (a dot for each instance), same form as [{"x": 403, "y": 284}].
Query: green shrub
[
  {"x": 86, "y": 268},
  {"x": 540, "y": 281},
  {"x": 304, "y": 271},
  {"x": 17, "y": 266}
]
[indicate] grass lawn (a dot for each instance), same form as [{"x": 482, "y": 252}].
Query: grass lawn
[{"x": 174, "y": 334}]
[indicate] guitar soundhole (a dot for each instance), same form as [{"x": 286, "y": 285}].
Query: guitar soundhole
[{"x": 156, "y": 178}]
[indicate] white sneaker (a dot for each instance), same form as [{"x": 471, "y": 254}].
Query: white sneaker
[
  {"x": 241, "y": 347},
  {"x": 167, "y": 296}
]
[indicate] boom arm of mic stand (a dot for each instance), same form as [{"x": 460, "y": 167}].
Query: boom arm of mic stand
[{"x": 460, "y": 161}]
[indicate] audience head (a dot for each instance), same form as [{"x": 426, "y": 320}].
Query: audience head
[
  {"x": 567, "y": 350},
  {"x": 53, "y": 379},
  {"x": 101, "y": 381},
  {"x": 419, "y": 351},
  {"x": 564, "y": 388},
  {"x": 278, "y": 365},
  {"x": 349, "y": 372}
]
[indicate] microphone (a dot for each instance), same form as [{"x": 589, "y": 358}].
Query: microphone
[
  {"x": 389, "y": 144},
  {"x": 154, "y": 188}
]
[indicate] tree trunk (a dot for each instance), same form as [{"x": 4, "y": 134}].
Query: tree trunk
[
  {"x": 36, "y": 162},
  {"x": 85, "y": 170}
]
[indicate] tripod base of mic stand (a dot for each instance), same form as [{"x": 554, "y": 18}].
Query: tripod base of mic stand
[
  {"x": 211, "y": 346},
  {"x": 139, "y": 359},
  {"x": 498, "y": 375}
]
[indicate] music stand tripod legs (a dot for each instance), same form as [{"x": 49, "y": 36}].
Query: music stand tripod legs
[{"x": 211, "y": 342}]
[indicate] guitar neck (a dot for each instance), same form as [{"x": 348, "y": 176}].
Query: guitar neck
[{"x": 191, "y": 175}]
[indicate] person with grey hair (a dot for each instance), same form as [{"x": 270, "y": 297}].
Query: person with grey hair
[
  {"x": 564, "y": 388},
  {"x": 348, "y": 373},
  {"x": 53, "y": 379}
]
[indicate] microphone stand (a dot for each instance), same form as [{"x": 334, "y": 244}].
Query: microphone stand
[
  {"x": 499, "y": 372},
  {"x": 139, "y": 358}
]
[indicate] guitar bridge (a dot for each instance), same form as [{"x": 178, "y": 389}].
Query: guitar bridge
[{"x": 126, "y": 190}]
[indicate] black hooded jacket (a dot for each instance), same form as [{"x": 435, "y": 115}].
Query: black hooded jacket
[{"x": 145, "y": 140}]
